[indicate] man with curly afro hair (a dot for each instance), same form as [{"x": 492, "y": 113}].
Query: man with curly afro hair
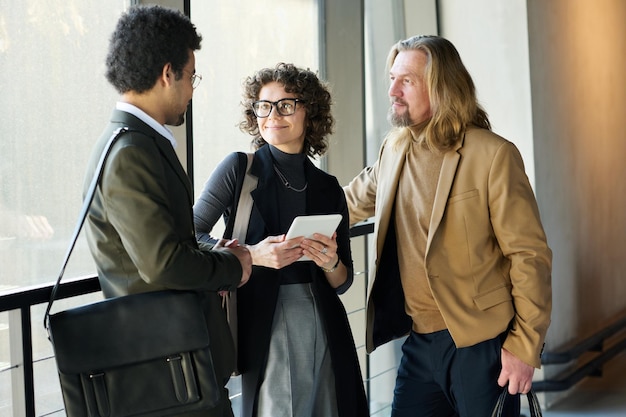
[{"x": 140, "y": 225}]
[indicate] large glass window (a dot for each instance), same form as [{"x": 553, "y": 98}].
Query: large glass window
[
  {"x": 54, "y": 104},
  {"x": 54, "y": 101}
]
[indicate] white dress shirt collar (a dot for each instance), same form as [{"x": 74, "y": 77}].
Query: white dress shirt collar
[{"x": 144, "y": 117}]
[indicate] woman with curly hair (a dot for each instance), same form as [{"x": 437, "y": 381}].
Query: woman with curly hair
[{"x": 296, "y": 351}]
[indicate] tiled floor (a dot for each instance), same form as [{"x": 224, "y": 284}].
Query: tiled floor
[{"x": 596, "y": 397}]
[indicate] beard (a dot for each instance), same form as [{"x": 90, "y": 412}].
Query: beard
[
  {"x": 181, "y": 120},
  {"x": 398, "y": 120},
  {"x": 176, "y": 120}
]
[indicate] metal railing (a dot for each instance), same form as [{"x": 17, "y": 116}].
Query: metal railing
[
  {"x": 596, "y": 344},
  {"x": 18, "y": 303}
]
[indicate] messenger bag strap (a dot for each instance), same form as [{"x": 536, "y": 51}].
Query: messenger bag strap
[{"x": 83, "y": 215}]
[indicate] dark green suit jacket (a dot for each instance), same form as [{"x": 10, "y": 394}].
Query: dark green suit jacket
[{"x": 141, "y": 234}]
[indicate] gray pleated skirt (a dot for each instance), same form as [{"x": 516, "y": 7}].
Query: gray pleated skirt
[{"x": 299, "y": 379}]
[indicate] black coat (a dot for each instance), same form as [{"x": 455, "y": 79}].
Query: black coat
[{"x": 257, "y": 299}]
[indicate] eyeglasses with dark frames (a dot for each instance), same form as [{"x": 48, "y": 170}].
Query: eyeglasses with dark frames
[{"x": 284, "y": 107}]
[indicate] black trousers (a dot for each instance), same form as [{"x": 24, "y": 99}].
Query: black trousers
[{"x": 435, "y": 379}]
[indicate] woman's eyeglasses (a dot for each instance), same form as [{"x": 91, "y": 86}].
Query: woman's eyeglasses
[{"x": 284, "y": 107}]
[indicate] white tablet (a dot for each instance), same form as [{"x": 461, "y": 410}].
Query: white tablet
[{"x": 324, "y": 224}]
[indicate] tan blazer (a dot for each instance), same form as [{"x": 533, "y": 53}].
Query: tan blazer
[{"x": 487, "y": 259}]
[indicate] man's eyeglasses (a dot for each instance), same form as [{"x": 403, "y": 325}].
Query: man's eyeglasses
[
  {"x": 195, "y": 79},
  {"x": 284, "y": 107}
]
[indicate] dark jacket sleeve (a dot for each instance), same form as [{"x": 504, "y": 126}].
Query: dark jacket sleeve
[{"x": 140, "y": 224}]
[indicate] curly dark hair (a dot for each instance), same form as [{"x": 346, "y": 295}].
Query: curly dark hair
[
  {"x": 308, "y": 87},
  {"x": 145, "y": 39}
]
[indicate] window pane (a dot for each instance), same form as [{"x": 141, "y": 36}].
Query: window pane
[
  {"x": 55, "y": 101},
  {"x": 238, "y": 39}
]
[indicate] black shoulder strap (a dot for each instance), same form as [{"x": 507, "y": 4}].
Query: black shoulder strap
[{"x": 83, "y": 214}]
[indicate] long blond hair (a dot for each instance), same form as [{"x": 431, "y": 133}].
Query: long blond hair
[{"x": 452, "y": 93}]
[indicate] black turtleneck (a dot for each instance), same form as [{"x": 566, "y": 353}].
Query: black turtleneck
[{"x": 290, "y": 203}]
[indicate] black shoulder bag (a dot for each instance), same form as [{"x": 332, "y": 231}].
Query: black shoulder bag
[{"x": 137, "y": 355}]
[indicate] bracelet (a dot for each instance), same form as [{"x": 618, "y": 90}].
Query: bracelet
[{"x": 333, "y": 268}]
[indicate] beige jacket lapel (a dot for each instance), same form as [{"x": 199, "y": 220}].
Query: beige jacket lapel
[
  {"x": 387, "y": 189},
  {"x": 444, "y": 185}
]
